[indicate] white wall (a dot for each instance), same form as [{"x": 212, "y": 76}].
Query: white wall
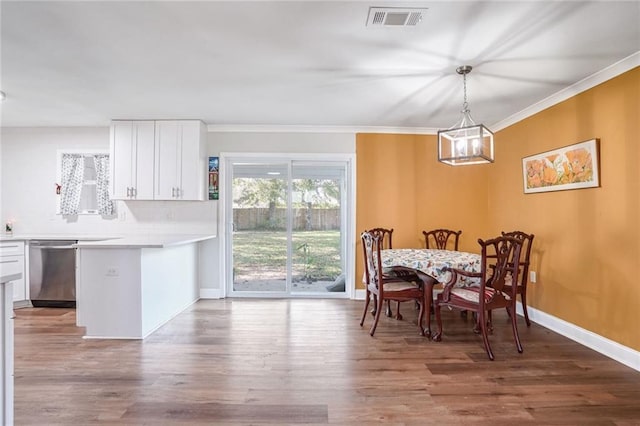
[
  {"x": 28, "y": 177},
  {"x": 307, "y": 143},
  {"x": 28, "y": 174}
]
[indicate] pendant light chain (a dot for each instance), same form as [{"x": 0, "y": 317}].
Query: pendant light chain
[{"x": 465, "y": 104}]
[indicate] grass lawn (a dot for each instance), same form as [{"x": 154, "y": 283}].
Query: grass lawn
[{"x": 263, "y": 254}]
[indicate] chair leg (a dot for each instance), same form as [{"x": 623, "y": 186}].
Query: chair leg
[
  {"x": 388, "y": 311},
  {"x": 476, "y": 323},
  {"x": 375, "y": 321},
  {"x": 366, "y": 306},
  {"x": 523, "y": 298},
  {"x": 398, "y": 315},
  {"x": 485, "y": 337},
  {"x": 514, "y": 326},
  {"x": 375, "y": 305}
]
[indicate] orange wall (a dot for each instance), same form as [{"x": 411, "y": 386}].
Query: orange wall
[
  {"x": 401, "y": 185},
  {"x": 587, "y": 246},
  {"x": 587, "y": 242}
]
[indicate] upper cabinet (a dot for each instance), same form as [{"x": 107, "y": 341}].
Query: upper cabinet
[
  {"x": 180, "y": 161},
  {"x": 158, "y": 160},
  {"x": 132, "y": 160}
]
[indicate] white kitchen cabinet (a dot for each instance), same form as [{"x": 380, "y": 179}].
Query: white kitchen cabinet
[
  {"x": 132, "y": 159},
  {"x": 12, "y": 262},
  {"x": 180, "y": 160}
]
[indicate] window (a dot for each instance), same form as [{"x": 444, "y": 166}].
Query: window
[{"x": 82, "y": 184}]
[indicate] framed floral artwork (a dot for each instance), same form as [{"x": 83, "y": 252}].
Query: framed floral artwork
[{"x": 571, "y": 167}]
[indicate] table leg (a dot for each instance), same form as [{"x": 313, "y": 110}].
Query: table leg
[{"x": 428, "y": 283}]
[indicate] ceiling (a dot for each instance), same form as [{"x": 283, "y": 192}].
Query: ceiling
[{"x": 298, "y": 63}]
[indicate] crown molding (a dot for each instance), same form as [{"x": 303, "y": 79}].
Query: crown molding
[
  {"x": 320, "y": 129},
  {"x": 620, "y": 67}
]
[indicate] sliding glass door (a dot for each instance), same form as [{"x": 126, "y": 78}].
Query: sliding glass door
[
  {"x": 260, "y": 227},
  {"x": 287, "y": 233}
]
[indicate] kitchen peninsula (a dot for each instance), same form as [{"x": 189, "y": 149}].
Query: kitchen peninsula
[
  {"x": 7, "y": 276},
  {"x": 129, "y": 287}
]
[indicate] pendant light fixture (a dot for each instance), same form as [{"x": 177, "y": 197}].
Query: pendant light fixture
[{"x": 466, "y": 142}]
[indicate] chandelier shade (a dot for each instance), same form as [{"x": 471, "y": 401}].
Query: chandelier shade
[{"x": 466, "y": 142}]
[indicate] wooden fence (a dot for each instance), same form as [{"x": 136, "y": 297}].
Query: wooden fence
[{"x": 245, "y": 219}]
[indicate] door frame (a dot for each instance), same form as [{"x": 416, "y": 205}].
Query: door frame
[{"x": 348, "y": 211}]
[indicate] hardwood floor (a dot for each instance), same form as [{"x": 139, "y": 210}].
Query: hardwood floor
[{"x": 248, "y": 361}]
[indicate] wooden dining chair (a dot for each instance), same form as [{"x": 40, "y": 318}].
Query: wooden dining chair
[
  {"x": 499, "y": 269},
  {"x": 382, "y": 287},
  {"x": 386, "y": 239},
  {"x": 523, "y": 275},
  {"x": 439, "y": 238}
]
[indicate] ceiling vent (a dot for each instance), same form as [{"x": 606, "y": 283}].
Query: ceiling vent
[{"x": 394, "y": 16}]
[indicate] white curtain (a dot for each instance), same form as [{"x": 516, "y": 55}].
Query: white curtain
[
  {"x": 72, "y": 179},
  {"x": 105, "y": 205}
]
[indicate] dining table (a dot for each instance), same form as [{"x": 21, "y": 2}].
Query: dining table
[{"x": 431, "y": 264}]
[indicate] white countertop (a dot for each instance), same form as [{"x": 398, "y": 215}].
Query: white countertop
[
  {"x": 56, "y": 237},
  {"x": 144, "y": 241},
  {"x": 115, "y": 241},
  {"x": 10, "y": 277}
]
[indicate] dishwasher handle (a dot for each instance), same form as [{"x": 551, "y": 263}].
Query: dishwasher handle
[{"x": 69, "y": 247}]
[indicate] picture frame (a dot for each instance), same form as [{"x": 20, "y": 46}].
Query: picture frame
[
  {"x": 214, "y": 183},
  {"x": 571, "y": 167}
]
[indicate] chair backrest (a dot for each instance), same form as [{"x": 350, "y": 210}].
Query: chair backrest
[
  {"x": 385, "y": 236},
  {"x": 371, "y": 246},
  {"x": 500, "y": 265},
  {"x": 527, "y": 241},
  {"x": 438, "y": 238}
]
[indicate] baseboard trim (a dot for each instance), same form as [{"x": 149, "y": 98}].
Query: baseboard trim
[
  {"x": 210, "y": 293},
  {"x": 607, "y": 347}
]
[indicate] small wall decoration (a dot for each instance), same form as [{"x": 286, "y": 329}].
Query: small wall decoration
[
  {"x": 213, "y": 178},
  {"x": 571, "y": 167}
]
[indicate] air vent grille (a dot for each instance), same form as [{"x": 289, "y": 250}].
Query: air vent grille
[
  {"x": 394, "y": 17},
  {"x": 378, "y": 18}
]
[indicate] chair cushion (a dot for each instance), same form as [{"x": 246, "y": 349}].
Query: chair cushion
[
  {"x": 400, "y": 286},
  {"x": 472, "y": 294}
]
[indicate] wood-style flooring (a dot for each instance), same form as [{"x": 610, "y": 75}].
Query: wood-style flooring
[{"x": 287, "y": 362}]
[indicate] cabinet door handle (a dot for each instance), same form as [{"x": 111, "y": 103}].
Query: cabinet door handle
[
  {"x": 8, "y": 261},
  {"x": 173, "y": 192},
  {"x": 134, "y": 192},
  {"x": 128, "y": 192}
]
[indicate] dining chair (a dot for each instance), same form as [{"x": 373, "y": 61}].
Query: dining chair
[
  {"x": 439, "y": 238},
  {"x": 383, "y": 287},
  {"x": 499, "y": 269},
  {"x": 386, "y": 239},
  {"x": 523, "y": 275}
]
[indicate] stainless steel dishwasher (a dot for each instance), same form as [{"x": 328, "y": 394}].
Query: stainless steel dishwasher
[{"x": 52, "y": 273}]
